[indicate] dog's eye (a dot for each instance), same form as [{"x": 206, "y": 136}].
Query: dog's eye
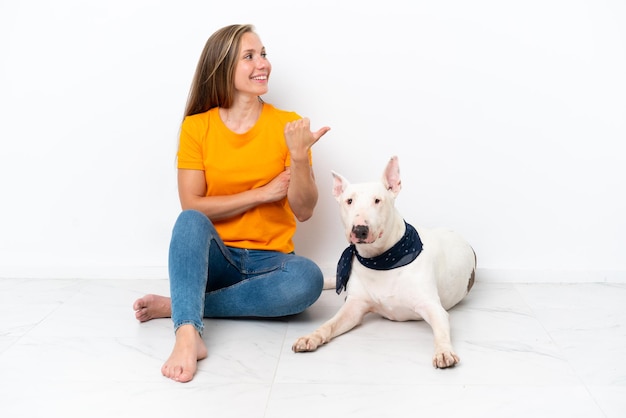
[
  {"x": 376, "y": 201},
  {"x": 349, "y": 201}
]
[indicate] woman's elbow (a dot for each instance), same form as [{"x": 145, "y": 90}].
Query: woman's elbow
[
  {"x": 303, "y": 217},
  {"x": 303, "y": 212},
  {"x": 185, "y": 204},
  {"x": 188, "y": 202},
  {"x": 303, "y": 207}
]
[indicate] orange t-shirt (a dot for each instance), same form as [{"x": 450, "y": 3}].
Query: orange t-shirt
[{"x": 233, "y": 163}]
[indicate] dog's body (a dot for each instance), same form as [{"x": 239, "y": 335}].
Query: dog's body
[{"x": 440, "y": 275}]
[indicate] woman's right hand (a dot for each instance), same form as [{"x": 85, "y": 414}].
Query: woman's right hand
[{"x": 277, "y": 188}]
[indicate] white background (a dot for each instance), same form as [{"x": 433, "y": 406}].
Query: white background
[{"x": 509, "y": 119}]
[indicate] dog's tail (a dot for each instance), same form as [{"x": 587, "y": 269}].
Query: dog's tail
[{"x": 470, "y": 283}]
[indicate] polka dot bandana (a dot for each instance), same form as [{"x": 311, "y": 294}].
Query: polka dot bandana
[{"x": 402, "y": 253}]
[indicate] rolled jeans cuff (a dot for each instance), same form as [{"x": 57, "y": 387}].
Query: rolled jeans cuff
[{"x": 198, "y": 326}]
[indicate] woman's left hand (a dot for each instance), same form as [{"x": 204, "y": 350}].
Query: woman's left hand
[{"x": 300, "y": 138}]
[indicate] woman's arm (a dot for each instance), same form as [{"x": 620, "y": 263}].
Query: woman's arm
[
  {"x": 192, "y": 193},
  {"x": 302, "y": 193}
]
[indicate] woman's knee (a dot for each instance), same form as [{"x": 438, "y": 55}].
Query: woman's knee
[
  {"x": 191, "y": 217},
  {"x": 192, "y": 223},
  {"x": 309, "y": 278},
  {"x": 316, "y": 278}
]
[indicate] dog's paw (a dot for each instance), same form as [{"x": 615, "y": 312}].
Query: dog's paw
[
  {"x": 444, "y": 359},
  {"x": 308, "y": 343}
]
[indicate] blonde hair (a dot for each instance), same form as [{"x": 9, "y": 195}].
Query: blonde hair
[{"x": 212, "y": 84}]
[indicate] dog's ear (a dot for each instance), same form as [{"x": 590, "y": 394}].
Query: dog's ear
[
  {"x": 339, "y": 184},
  {"x": 391, "y": 176}
]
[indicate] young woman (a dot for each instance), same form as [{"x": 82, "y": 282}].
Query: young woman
[{"x": 244, "y": 178}]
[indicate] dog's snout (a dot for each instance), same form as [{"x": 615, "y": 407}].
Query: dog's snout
[{"x": 360, "y": 231}]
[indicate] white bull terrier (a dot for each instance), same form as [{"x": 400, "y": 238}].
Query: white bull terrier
[{"x": 394, "y": 270}]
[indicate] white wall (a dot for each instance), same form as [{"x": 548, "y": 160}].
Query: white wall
[{"x": 509, "y": 119}]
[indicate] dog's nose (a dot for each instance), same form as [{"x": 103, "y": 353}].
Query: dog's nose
[{"x": 360, "y": 231}]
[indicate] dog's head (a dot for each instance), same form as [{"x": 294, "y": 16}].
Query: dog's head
[{"x": 366, "y": 209}]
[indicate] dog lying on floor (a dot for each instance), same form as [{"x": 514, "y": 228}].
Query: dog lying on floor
[{"x": 393, "y": 269}]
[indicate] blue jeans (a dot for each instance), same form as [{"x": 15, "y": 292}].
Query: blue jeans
[{"x": 209, "y": 279}]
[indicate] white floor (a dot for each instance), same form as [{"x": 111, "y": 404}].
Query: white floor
[{"x": 72, "y": 348}]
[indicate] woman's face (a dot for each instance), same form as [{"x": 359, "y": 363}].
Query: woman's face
[{"x": 252, "y": 71}]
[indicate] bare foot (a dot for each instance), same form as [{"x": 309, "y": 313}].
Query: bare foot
[
  {"x": 188, "y": 349},
  {"x": 152, "y": 306}
]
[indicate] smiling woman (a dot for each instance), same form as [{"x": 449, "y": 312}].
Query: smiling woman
[{"x": 244, "y": 178}]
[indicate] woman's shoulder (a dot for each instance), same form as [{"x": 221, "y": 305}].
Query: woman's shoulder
[
  {"x": 281, "y": 114},
  {"x": 198, "y": 121},
  {"x": 201, "y": 117}
]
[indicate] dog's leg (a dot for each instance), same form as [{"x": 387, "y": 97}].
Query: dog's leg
[
  {"x": 437, "y": 318},
  {"x": 349, "y": 316}
]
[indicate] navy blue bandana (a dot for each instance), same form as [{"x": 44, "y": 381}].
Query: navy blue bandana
[{"x": 402, "y": 253}]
